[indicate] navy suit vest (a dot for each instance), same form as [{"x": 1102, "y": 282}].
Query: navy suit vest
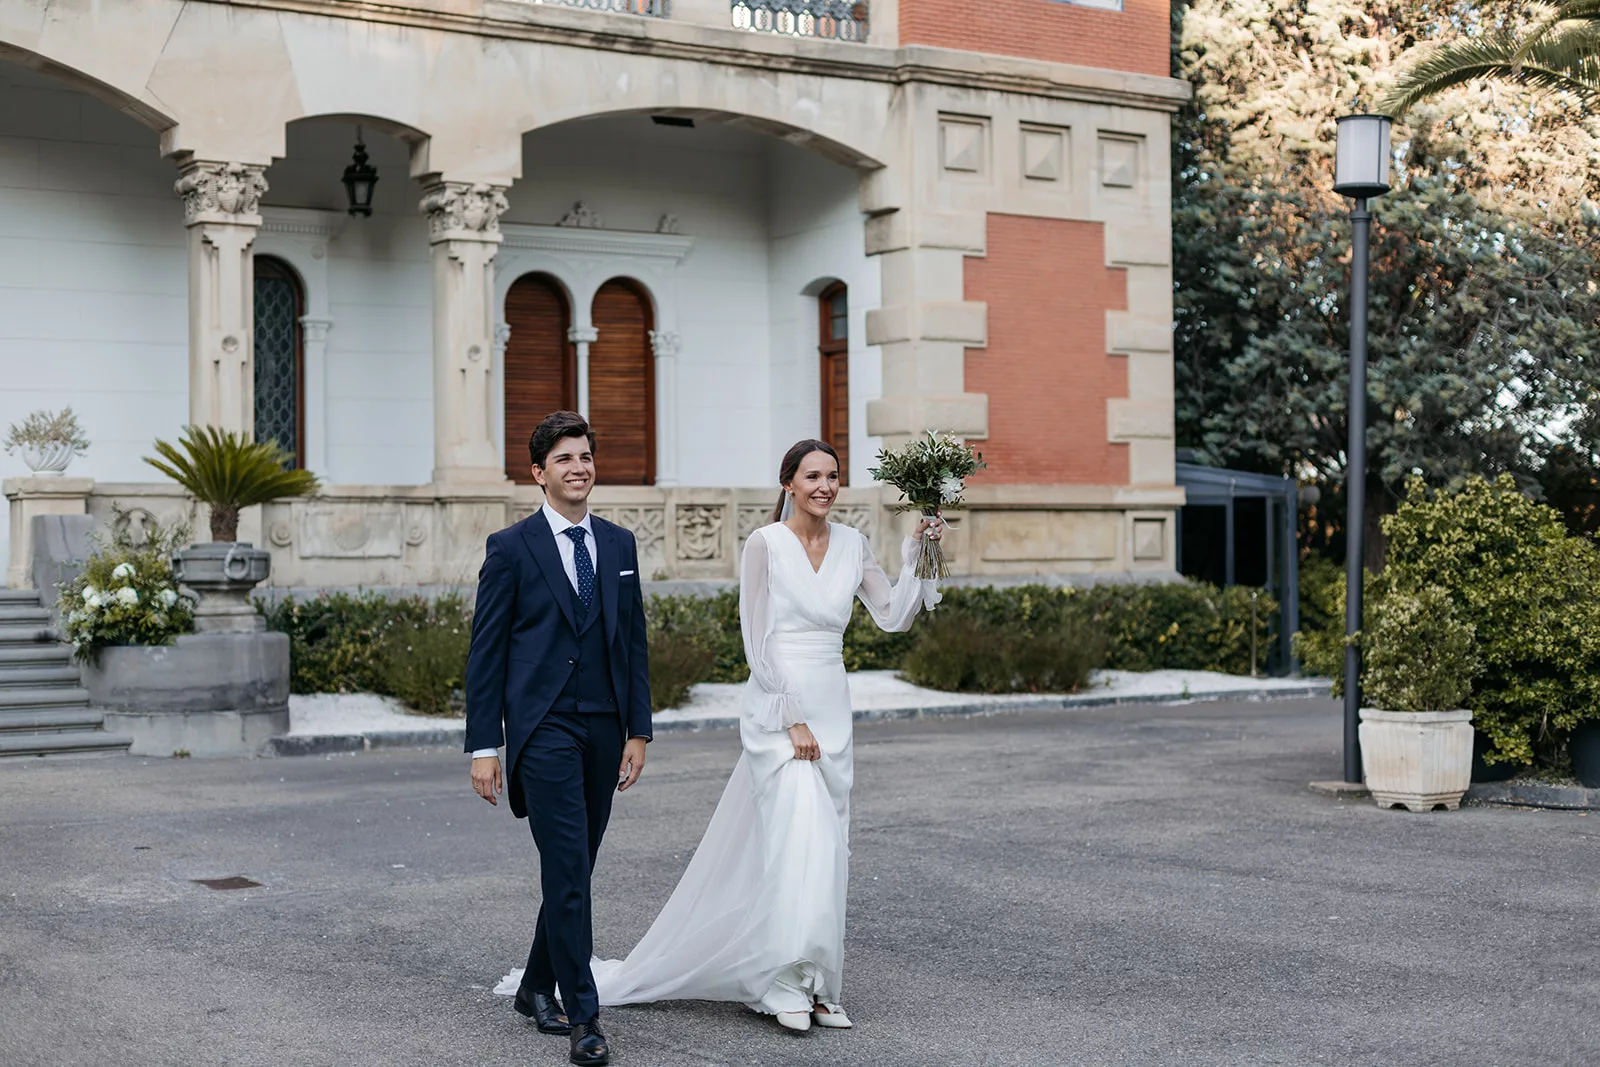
[{"x": 588, "y": 687}]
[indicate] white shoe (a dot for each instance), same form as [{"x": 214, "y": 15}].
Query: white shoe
[
  {"x": 831, "y": 1016},
  {"x": 798, "y": 1021}
]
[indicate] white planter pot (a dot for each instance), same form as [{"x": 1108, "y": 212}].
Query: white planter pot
[
  {"x": 47, "y": 461},
  {"x": 1416, "y": 759}
]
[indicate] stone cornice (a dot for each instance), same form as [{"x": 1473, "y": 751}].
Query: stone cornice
[
  {"x": 549, "y": 24},
  {"x": 573, "y": 239}
]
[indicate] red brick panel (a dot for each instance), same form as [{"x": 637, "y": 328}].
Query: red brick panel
[
  {"x": 1137, "y": 38},
  {"x": 1046, "y": 370}
]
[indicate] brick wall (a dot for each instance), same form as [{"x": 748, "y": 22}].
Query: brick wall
[
  {"x": 1045, "y": 369},
  {"x": 1137, "y": 38}
]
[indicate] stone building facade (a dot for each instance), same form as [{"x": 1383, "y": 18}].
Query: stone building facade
[{"x": 714, "y": 226}]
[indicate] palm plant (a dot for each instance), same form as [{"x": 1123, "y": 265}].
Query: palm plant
[
  {"x": 228, "y": 473},
  {"x": 1554, "y": 56}
]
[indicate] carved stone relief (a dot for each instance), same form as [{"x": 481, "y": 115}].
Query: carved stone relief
[
  {"x": 649, "y": 526},
  {"x": 581, "y": 217},
  {"x": 221, "y": 192},
  {"x": 699, "y": 530},
  {"x": 857, "y": 516},
  {"x": 335, "y": 531},
  {"x": 462, "y": 211}
]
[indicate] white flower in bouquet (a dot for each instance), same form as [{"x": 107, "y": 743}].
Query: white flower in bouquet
[
  {"x": 950, "y": 489},
  {"x": 91, "y": 598},
  {"x": 127, "y": 596},
  {"x": 123, "y": 571},
  {"x": 168, "y": 597}
]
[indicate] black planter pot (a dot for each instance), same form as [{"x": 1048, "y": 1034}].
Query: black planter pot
[
  {"x": 1490, "y": 772},
  {"x": 1585, "y": 749}
]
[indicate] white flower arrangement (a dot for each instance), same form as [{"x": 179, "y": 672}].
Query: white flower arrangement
[
  {"x": 123, "y": 570},
  {"x": 128, "y": 596}
]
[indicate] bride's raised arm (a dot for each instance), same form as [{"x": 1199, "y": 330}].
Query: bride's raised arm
[
  {"x": 778, "y": 708},
  {"x": 893, "y": 606}
]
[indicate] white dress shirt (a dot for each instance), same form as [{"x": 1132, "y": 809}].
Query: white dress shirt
[{"x": 569, "y": 563}]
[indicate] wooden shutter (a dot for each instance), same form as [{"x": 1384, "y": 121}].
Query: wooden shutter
[
  {"x": 833, "y": 332},
  {"x": 540, "y": 365},
  {"x": 622, "y": 393}
]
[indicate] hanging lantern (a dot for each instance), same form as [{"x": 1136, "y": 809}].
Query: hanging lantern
[{"x": 359, "y": 179}]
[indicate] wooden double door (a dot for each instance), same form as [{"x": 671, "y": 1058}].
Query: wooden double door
[{"x": 541, "y": 375}]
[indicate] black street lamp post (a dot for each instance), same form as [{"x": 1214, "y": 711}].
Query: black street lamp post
[{"x": 1361, "y": 171}]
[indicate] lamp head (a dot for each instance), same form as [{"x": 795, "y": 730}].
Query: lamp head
[
  {"x": 359, "y": 179},
  {"x": 1361, "y": 158}
]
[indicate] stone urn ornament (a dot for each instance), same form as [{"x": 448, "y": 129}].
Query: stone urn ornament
[
  {"x": 227, "y": 473},
  {"x": 47, "y": 441}
]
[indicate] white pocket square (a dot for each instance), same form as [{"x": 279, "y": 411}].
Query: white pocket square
[{"x": 624, "y": 574}]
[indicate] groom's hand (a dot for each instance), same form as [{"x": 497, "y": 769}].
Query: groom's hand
[
  {"x": 632, "y": 763},
  {"x": 486, "y": 778}
]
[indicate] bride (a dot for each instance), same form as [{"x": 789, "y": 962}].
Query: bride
[{"x": 758, "y": 917}]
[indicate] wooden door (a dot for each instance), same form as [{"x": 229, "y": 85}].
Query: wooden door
[
  {"x": 541, "y": 373},
  {"x": 622, "y": 393},
  {"x": 833, "y": 331}
]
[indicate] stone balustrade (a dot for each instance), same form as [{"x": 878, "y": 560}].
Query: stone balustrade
[{"x": 349, "y": 536}]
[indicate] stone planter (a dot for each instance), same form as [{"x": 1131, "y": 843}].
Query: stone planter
[
  {"x": 221, "y": 574},
  {"x": 222, "y": 694},
  {"x": 1418, "y": 760},
  {"x": 47, "y": 460}
]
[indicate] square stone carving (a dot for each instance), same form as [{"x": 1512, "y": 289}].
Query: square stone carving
[
  {"x": 351, "y": 531},
  {"x": 1120, "y": 162},
  {"x": 1149, "y": 538},
  {"x": 963, "y": 144},
  {"x": 1044, "y": 153}
]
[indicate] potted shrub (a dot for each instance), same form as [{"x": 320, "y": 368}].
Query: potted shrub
[
  {"x": 1419, "y": 660},
  {"x": 227, "y": 473},
  {"x": 47, "y": 440}
]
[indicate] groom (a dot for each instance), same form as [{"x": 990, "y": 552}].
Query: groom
[{"x": 558, "y": 671}]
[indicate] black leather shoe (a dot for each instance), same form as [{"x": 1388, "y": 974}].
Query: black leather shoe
[
  {"x": 589, "y": 1048},
  {"x": 543, "y": 1010}
]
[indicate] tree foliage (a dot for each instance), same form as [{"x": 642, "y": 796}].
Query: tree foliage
[{"x": 1484, "y": 339}]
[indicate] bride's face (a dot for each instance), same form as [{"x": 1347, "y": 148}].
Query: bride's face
[{"x": 815, "y": 484}]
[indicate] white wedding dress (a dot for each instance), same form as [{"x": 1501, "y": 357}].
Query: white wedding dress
[{"x": 758, "y": 917}]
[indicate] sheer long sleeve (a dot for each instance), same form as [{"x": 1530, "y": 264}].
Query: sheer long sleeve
[
  {"x": 777, "y": 706},
  {"x": 893, "y": 606}
]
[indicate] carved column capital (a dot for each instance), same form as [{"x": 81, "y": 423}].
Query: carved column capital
[
  {"x": 314, "y": 329},
  {"x": 665, "y": 343},
  {"x": 583, "y": 335},
  {"x": 463, "y": 211},
  {"x": 221, "y": 193}
]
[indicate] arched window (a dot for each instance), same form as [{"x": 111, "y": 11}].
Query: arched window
[
  {"x": 541, "y": 373},
  {"x": 833, "y": 331},
  {"x": 622, "y": 387},
  {"x": 280, "y": 302}
]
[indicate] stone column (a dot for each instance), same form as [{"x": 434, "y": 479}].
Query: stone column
[
  {"x": 221, "y": 208},
  {"x": 314, "y": 335},
  {"x": 583, "y": 337},
  {"x": 464, "y": 229},
  {"x": 666, "y": 344}
]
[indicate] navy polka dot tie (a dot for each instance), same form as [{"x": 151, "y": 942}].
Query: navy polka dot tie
[{"x": 584, "y": 566}]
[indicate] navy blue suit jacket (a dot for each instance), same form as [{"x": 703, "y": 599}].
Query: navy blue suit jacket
[{"x": 525, "y": 637}]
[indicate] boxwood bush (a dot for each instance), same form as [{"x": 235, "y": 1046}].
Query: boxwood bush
[{"x": 1029, "y": 638}]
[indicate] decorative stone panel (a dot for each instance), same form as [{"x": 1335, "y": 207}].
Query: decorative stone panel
[
  {"x": 1149, "y": 539},
  {"x": 1044, "y": 153},
  {"x": 699, "y": 532},
  {"x": 351, "y": 531},
  {"x": 649, "y": 526},
  {"x": 964, "y": 145},
  {"x": 1121, "y": 161}
]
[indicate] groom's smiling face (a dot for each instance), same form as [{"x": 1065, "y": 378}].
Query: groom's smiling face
[{"x": 568, "y": 472}]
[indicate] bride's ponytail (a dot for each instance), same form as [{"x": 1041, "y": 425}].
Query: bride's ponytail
[{"x": 791, "y": 465}]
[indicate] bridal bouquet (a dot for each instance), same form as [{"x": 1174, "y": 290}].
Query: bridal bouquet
[{"x": 931, "y": 474}]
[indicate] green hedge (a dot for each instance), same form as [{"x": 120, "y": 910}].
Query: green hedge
[{"x": 416, "y": 649}]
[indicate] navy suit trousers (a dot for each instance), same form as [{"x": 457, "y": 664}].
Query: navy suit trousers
[{"x": 568, "y": 772}]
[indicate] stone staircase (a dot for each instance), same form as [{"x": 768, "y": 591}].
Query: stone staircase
[{"x": 44, "y": 710}]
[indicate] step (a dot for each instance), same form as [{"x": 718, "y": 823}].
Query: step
[
  {"x": 38, "y": 677},
  {"x": 88, "y": 743},
  {"x": 50, "y": 721},
  {"x": 26, "y": 634},
  {"x": 23, "y": 615},
  {"x": 19, "y": 596},
  {"x": 38, "y": 654},
  {"x": 33, "y": 698}
]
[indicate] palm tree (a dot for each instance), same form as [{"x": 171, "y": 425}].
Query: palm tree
[
  {"x": 1554, "y": 56},
  {"x": 228, "y": 473}
]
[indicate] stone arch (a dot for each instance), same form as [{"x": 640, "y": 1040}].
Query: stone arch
[{"x": 140, "y": 107}]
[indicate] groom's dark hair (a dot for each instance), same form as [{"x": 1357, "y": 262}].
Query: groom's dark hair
[{"x": 556, "y": 426}]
